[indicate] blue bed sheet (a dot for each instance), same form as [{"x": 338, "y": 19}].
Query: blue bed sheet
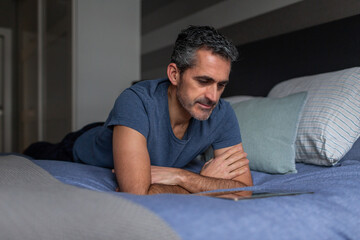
[{"x": 332, "y": 212}]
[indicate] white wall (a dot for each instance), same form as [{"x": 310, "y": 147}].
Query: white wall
[{"x": 106, "y": 48}]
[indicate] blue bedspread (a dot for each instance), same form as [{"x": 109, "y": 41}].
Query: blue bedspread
[{"x": 332, "y": 212}]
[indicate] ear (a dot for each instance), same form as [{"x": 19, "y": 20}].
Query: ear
[{"x": 173, "y": 74}]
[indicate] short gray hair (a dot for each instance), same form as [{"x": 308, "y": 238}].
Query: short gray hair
[{"x": 194, "y": 38}]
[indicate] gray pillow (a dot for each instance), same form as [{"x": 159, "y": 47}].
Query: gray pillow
[{"x": 34, "y": 205}]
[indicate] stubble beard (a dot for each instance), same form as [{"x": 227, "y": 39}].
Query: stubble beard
[{"x": 189, "y": 105}]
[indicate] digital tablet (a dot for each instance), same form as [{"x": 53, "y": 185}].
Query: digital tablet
[{"x": 243, "y": 195}]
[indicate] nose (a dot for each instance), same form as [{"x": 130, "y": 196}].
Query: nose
[{"x": 212, "y": 93}]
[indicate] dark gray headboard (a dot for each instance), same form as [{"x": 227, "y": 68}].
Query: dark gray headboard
[{"x": 323, "y": 48}]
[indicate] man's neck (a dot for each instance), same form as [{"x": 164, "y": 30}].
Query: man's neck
[{"x": 179, "y": 117}]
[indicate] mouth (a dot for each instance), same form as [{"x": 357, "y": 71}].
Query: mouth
[{"x": 206, "y": 106}]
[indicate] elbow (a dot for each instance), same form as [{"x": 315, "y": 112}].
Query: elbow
[
  {"x": 245, "y": 179},
  {"x": 248, "y": 180},
  {"x": 250, "y": 183}
]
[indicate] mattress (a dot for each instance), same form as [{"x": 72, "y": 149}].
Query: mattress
[{"x": 331, "y": 212}]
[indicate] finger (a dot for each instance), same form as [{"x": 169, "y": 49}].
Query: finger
[
  {"x": 238, "y": 164},
  {"x": 236, "y": 157},
  {"x": 207, "y": 163},
  {"x": 117, "y": 189},
  {"x": 238, "y": 172},
  {"x": 113, "y": 170},
  {"x": 230, "y": 152}
]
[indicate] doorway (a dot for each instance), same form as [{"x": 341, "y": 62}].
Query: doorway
[
  {"x": 44, "y": 67},
  {"x": 6, "y": 107}
]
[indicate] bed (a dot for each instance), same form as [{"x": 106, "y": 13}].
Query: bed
[{"x": 299, "y": 113}]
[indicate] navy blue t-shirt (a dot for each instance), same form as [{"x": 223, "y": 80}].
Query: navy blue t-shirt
[{"x": 144, "y": 108}]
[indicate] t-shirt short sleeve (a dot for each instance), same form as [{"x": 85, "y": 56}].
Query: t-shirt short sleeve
[
  {"x": 129, "y": 111},
  {"x": 229, "y": 131}
]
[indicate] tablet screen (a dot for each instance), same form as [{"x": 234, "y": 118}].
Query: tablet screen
[{"x": 241, "y": 195}]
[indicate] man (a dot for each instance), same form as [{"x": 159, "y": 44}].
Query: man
[{"x": 156, "y": 127}]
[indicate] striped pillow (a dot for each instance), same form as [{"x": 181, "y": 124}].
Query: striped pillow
[{"x": 330, "y": 121}]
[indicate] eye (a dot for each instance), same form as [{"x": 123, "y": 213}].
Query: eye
[
  {"x": 222, "y": 85},
  {"x": 203, "y": 81}
]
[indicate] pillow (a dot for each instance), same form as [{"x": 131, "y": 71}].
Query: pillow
[
  {"x": 239, "y": 98},
  {"x": 268, "y": 130},
  {"x": 330, "y": 123},
  {"x": 354, "y": 153}
]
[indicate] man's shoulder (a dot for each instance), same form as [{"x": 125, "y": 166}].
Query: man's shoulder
[
  {"x": 147, "y": 94},
  {"x": 145, "y": 91},
  {"x": 149, "y": 87}
]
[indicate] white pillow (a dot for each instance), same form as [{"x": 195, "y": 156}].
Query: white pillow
[{"x": 330, "y": 121}]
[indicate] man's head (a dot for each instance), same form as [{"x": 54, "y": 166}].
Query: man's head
[
  {"x": 194, "y": 38},
  {"x": 199, "y": 69}
]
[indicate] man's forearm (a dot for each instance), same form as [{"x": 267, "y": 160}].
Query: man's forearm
[
  {"x": 194, "y": 183},
  {"x": 162, "y": 188}
]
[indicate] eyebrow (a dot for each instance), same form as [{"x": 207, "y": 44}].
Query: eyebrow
[{"x": 210, "y": 79}]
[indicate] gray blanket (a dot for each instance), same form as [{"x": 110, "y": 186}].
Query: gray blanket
[{"x": 34, "y": 205}]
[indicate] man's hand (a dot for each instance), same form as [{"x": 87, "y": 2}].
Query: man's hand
[
  {"x": 228, "y": 165},
  {"x": 139, "y": 177},
  {"x": 164, "y": 175},
  {"x": 162, "y": 181},
  {"x": 229, "y": 169}
]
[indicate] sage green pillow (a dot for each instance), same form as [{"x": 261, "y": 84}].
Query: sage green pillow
[{"x": 268, "y": 130}]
